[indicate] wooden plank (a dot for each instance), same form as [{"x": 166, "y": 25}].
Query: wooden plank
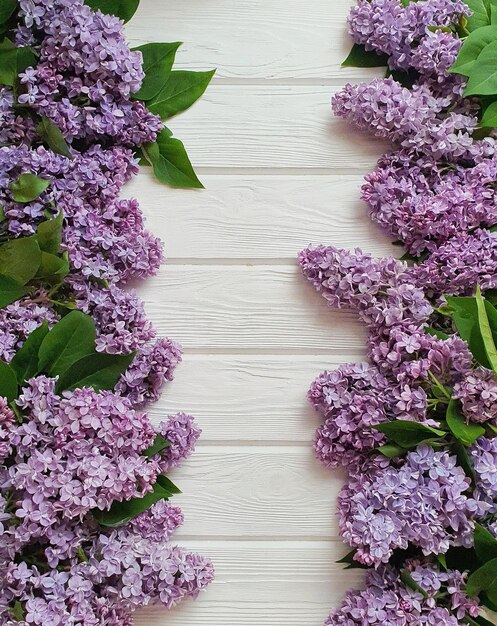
[
  {"x": 249, "y": 398},
  {"x": 258, "y": 217},
  {"x": 258, "y": 39},
  {"x": 264, "y": 584},
  {"x": 247, "y": 492},
  {"x": 272, "y": 126},
  {"x": 247, "y": 308}
]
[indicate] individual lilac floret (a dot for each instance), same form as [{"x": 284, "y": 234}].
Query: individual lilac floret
[
  {"x": 7, "y": 419},
  {"x": 460, "y": 264},
  {"x": 477, "y": 392},
  {"x": 412, "y": 118},
  {"x": 423, "y": 203},
  {"x": 141, "y": 383},
  {"x": 389, "y": 27},
  {"x": 387, "y": 600},
  {"x": 422, "y": 502}
]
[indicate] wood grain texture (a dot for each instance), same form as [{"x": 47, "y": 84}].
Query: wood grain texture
[
  {"x": 272, "y": 126},
  {"x": 248, "y": 398},
  {"x": 257, "y": 39},
  {"x": 258, "y": 491},
  {"x": 247, "y": 308},
  {"x": 258, "y": 217},
  {"x": 277, "y": 583}
]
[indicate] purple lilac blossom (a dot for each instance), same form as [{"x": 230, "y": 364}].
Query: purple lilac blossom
[
  {"x": 388, "y": 27},
  {"x": 422, "y": 502},
  {"x": 412, "y": 118},
  {"x": 477, "y": 392},
  {"x": 388, "y": 601}
]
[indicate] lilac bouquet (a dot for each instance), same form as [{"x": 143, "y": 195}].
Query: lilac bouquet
[
  {"x": 85, "y": 518},
  {"x": 415, "y": 425}
]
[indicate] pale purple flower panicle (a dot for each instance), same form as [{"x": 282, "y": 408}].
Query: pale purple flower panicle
[
  {"x": 422, "y": 502},
  {"x": 477, "y": 392},
  {"x": 412, "y": 118},
  {"x": 386, "y": 600}
]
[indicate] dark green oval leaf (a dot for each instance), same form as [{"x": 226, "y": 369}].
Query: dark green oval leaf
[
  {"x": 28, "y": 187},
  {"x": 51, "y": 134},
  {"x": 483, "y": 77},
  {"x": 464, "y": 313},
  {"x": 53, "y": 269},
  {"x": 50, "y": 234},
  {"x": 485, "y": 544},
  {"x": 466, "y": 432},
  {"x": 159, "y": 444},
  {"x": 473, "y": 46},
  {"x": 436, "y": 333},
  {"x": 170, "y": 162},
  {"x": 99, "y": 371},
  {"x": 182, "y": 89},
  {"x": 158, "y": 59},
  {"x": 25, "y": 361},
  {"x": 489, "y": 118},
  {"x": 391, "y": 451},
  {"x": 409, "y": 434},
  {"x": 482, "y": 579},
  {"x": 8, "y": 382},
  {"x": 69, "y": 340},
  {"x": 20, "y": 259},
  {"x": 122, "y": 512},
  {"x": 360, "y": 57},
  {"x": 7, "y": 8},
  {"x": 480, "y": 14},
  {"x": 10, "y": 291},
  {"x": 123, "y": 9}
]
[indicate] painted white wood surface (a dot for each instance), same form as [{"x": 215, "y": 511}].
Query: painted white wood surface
[{"x": 280, "y": 173}]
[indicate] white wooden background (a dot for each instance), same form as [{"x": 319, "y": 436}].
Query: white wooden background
[{"x": 280, "y": 173}]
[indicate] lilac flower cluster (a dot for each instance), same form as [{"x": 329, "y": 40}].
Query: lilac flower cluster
[
  {"x": 67, "y": 459},
  {"x": 435, "y": 195},
  {"x": 386, "y": 600}
]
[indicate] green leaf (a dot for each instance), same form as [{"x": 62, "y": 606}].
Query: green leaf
[
  {"x": 25, "y": 58},
  {"x": 122, "y": 512},
  {"x": 158, "y": 59},
  {"x": 51, "y": 134},
  {"x": 100, "y": 371},
  {"x": 7, "y": 8},
  {"x": 69, "y": 340},
  {"x": 360, "y": 57},
  {"x": 25, "y": 361},
  {"x": 20, "y": 259},
  {"x": 391, "y": 451},
  {"x": 123, "y": 9},
  {"x": 436, "y": 333},
  {"x": 53, "y": 269},
  {"x": 483, "y": 77},
  {"x": 483, "y": 579},
  {"x": 13, "y": 61},
  {"x": 464, "y": 461},
  {"x": 170, "y": 162},
  {"x": 486, "y": 330},
  {"x": 489, "y": 117},
  {"x": 182, "y": 89},
  {"x": 408, "y": 434},
  {"x": 18, "y": 611},
  {"x": 466, "y": 433},
  {"x": 159, "y": 444},
  {"x": 50, "y": 234},
  {"x": 464, "y": 312},
  {"x": 472, "y": 47},
  {"x": 485, "y": 544},
  {"x": 409, "y": 582},
  {"x": 480, "y": 14},
  {"x": 28, "y": 187},
  {"x": 10, "y": 291},
  {"x": 348, "y": 558},
  {"x": 8, "y": 382}
]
